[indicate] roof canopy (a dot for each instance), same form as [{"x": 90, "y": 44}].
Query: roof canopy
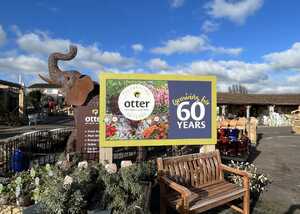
[
  {"x": 10, "y": 84},
  {"x": 259, "y": 99}
]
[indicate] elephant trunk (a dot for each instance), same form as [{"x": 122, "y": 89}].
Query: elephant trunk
[{"x": 55, "y": 74}]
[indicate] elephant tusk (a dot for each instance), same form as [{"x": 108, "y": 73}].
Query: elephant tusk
[{"x": 46, "y": 79}]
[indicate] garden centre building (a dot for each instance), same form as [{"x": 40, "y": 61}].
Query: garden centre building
[
  {"x": 11, "y": 96},
  {"x": 261, "y": 106}
]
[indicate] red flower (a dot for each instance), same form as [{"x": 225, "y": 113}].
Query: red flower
[{"x": 110, "y": 130}]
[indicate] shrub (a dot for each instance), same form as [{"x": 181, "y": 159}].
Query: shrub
[
  {"x": 124, "y": 190},
  {"x": 74, "y": 188},
  {"x": 69, "y": 190},
  {"x": 258, "y": 180}
]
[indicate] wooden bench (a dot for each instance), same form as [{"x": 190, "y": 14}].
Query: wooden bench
[{"x": 195, "y": 183}]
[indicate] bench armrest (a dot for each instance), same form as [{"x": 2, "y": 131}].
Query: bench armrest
[
  {"x": 175, "y": 186},
  {"x": 246, "y": 176},
  {"x": 235, "y": 171}
]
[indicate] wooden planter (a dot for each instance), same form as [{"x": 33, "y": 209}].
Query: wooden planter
[{"x": 296, "y": 121}]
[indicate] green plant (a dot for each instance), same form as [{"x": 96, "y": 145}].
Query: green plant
[
  {"x": 70, "y": 190},
  {"x": 124, "y": 190}
]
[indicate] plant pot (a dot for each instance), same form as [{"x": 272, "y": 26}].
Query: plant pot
[
  {"x": 25, "y": 201},
  {"x": 108, "y": 211},
  {"x": 254, "y": 198},
  {"x": 3, "y": 200}
]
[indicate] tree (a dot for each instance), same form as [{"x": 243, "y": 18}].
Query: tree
[{"x": 237, "y": 89}]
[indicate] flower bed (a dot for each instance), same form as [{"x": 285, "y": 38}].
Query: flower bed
[
  {"x": 258, "y": 180},
  {"x": 76, "y": 188}
]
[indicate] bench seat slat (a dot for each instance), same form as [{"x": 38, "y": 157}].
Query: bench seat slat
[{"x": 202, "y": 197}]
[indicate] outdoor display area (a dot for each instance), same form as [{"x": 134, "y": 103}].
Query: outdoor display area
[{"x": 169, "y": 114}]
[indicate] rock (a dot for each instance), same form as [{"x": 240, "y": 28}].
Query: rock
[
  {"x": 126, "y": 163},
  {"x": 83, "y": 165},
  {"x": 111, "y": 168}
]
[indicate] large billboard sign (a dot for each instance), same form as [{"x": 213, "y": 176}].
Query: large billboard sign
[{"x": 156, "y": 110}]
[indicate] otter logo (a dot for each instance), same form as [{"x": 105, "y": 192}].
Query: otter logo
[
  {"x": 95, "y": 112},
  {"x": 94, "y": 118},
  {"x": 136, "y": 102}
]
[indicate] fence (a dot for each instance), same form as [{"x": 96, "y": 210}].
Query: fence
[
  {"x": 41, "y": 147},
  {"x": 38, "y": 147},
  {"x": 131, "y": 153}
]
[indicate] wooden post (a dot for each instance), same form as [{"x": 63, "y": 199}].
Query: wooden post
[
  {"x": 105, "y": 155},
  {"x": 162, "y": 188}
]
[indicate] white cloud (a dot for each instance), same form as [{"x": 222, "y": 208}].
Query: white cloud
[
  {"x": 137, "y": 47},
  {"x": 41, "y": 44},
  {"x": 209, "y": 26},
  {"x": 235, "y": 11},
  {"x": 228, "y": 51},
  {"x": 176, "y": 3},
  {"x": 2, "y": 36},
  {"x": 158, "y": 64},
  {"x": 23, "y": 64},
  {"x": 294, "y": 78},
  {"x": 231, "y": 70},
  {"x": 288, "y": 59},
  {"x": 186, "y": 44},
  {"x": 90, "y": 56},
  {"x": 192, "y": 44}
]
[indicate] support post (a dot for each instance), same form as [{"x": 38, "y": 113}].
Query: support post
[
  {"x": 223, "y": 110},
  {"x": 105, "y": 155},
  {"x": 248, "y": 111}
]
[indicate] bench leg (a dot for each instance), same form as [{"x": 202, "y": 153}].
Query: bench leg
[
  {"x": 246, "y": 202},
  {"x": 163, "y": 206}
]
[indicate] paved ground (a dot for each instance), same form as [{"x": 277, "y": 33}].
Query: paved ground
[
  {"x": 279, "y": 157},
  {"x": 51, "y": 122}
]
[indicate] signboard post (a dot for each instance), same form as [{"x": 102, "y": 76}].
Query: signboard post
[{"x": 157, "y": 110}]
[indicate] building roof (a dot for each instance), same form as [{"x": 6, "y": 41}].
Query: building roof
[
  {"x": 259, "y": 99},
  {"x": 44, "y": 85},
  {"x": 11, "y": 84}
]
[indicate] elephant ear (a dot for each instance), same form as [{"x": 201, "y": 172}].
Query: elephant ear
[{"x": 78, "y": 93}]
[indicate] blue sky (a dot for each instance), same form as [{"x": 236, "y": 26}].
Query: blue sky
[{"x": 252, "y": 42}]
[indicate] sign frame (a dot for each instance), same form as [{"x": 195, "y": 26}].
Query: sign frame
[{"x": 153, "y": 142}]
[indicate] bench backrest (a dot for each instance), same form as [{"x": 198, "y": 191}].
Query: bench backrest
[{"x": 195, "y": 170}]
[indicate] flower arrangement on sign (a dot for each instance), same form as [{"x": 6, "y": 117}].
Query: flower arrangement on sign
[
  {"x": 154, "y": 126},
  {"x": 156, "y": 131}
]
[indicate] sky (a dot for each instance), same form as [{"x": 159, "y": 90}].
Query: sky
[{"x": 255, "y": 43}]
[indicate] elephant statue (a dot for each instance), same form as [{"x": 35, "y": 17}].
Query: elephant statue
[{"x": 78, "y": 89}]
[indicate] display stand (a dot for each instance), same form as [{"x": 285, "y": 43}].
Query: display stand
[{"x": 233, "y": 139}]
